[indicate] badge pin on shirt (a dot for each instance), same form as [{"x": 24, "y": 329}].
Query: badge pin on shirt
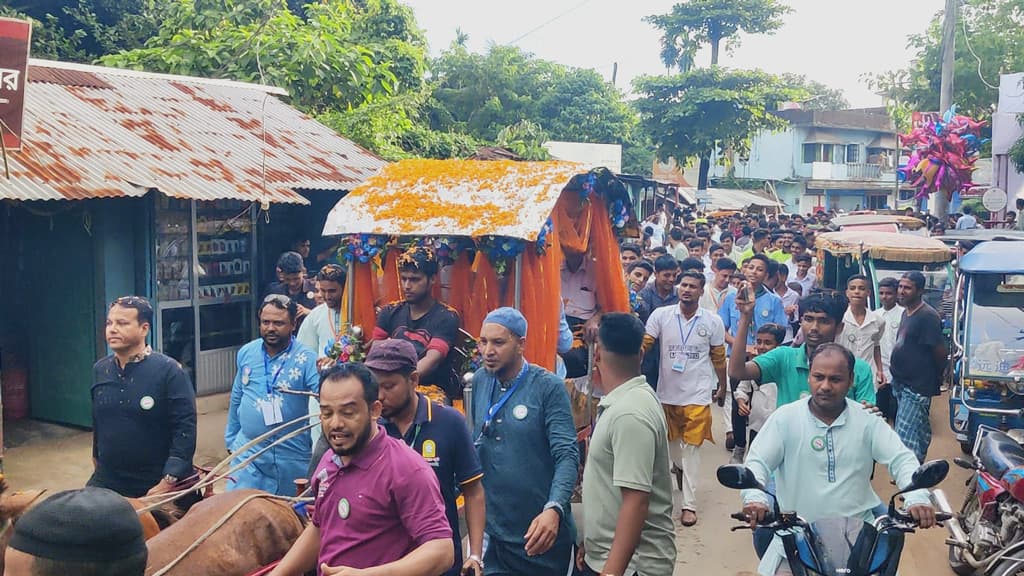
[
  {"x": 343, "y": 508},
  {"x": 520, "y": 412},
  {"x": 146, "y": 402},
  {"x": 245, "y": 375}
]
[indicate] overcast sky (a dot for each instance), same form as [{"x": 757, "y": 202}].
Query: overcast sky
[{"x": 831, "y": 41}]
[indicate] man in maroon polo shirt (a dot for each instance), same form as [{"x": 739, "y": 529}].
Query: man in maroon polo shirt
[{"x": 378, "y": 504}]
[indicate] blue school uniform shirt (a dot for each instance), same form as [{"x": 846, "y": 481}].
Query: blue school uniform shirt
[
  {"x": 276, "y": 469},
  {"x": 768, "y": 309}
]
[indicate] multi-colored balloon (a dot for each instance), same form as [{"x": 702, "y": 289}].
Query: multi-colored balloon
[{"x": 942, "y": 154}]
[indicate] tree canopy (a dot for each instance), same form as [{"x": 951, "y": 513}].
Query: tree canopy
[
  {"x": 693, "y": 23},
  {"x": 995, "y": 33},
  {"x": 698, "y": 112}
]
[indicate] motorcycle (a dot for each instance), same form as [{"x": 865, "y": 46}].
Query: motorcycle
[
  {"x": 986, "y": 537},
  {"x": 837, "y": 546}
]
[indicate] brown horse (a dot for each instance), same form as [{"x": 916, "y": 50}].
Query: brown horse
[{"x": 259, "y": 533}]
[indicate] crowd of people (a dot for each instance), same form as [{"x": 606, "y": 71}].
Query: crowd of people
[{"x": 727, "y": 322}]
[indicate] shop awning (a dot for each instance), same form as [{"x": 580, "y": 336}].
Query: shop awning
[
  {"x": 454, "y": 198},
  {"x": 95, "y": 132},
  {"x": 732, "y": 199}
]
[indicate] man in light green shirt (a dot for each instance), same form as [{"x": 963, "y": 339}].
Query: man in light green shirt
[
  {"x": 822, "y": 451},
  {"x": 820, "y": 318},
  {"x": 627, "y": 490}
]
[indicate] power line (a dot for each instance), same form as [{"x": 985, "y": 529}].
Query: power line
[
  {"x": 550, "y": 20},
  {"x": 967, "y": 40}
]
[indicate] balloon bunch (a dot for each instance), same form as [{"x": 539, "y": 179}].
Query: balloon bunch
[{"x": 942, "y": 155}]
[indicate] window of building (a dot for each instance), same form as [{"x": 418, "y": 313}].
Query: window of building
[
  {"x": 814, "y": 152},
  {"x": 852, "y": 154}
]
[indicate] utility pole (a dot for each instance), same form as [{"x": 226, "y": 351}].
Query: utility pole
[{"x": 940, "y": 206}]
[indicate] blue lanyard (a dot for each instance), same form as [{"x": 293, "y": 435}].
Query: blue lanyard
[
  {"x": 497, "y": 406},
  {"x": 680, "y": 323},
  {"x": 271, "y": 384}
]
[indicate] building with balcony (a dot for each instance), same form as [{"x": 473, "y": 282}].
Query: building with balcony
[{"x": 842, "y": 160}]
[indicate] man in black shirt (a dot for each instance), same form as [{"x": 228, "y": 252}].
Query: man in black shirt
[
  {"x": 431, "y": 326},
  {"x": 292, "y": 282},
  {"x": 918, "y": 360},
  {"x": 143, "y": 408}
]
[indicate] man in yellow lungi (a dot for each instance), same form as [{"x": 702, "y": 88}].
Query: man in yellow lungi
[{"x": 692, "y": 366}]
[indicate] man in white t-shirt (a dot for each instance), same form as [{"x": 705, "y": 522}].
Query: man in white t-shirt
[
  {"x": 692, "y": 362},
  {"x": 862, "y": 328},
  {"x": 892, "y": 314}
]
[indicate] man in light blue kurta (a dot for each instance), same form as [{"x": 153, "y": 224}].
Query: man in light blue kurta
[
  {"x": 259, "y": 378},
  {"x": 824, "y": 470}
]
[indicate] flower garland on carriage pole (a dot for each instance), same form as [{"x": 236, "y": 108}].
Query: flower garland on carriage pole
[{"x": 942, "y": 154}]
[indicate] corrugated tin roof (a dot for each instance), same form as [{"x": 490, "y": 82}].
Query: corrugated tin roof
[
  {"x": 454, "y": 198},
  {"x": 731, "y": 199},
  {"x": 93, "y": 132}
]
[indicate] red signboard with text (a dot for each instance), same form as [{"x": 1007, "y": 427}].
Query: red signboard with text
[{"x": 15, "y": 36}]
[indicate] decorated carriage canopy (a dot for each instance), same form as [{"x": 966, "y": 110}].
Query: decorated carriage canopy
[
  {"x": 480, "y": 217},
  {"x": 889, "y": 246}
]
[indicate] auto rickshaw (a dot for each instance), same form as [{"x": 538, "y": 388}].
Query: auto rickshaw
[
  {"x": 880, "y": 223},
  {"x": 880, "y": 255},
  {"x": 988, "y": 342}
]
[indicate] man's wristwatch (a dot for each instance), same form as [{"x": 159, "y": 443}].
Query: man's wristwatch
[
  {"x": 557, "y": 507},
  {"x": 476, "y": 559},
  {"x": 170, "y": 479}
]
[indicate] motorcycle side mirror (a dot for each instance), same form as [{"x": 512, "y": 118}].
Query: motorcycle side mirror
[
  {"x": 738, "y": 477},
  {"x": 929, "y": 475}
]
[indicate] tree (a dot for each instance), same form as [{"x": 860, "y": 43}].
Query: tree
[
  {"x": 693, "y": 23},
  {"x": 83, "y": 30},
  {"x": 526, "y": 139},
  {"x": 317, "y": 59},
  {"x": 482, "y": 94},
  {"x": 698, "y": 112},
  {"x": 995, "y": 33},
  {"x": 819, "y": 96}
]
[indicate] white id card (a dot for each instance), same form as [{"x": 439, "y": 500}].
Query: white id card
[
  {"x": 271, "y": 410},
  {"x": 679, "y": 365}
]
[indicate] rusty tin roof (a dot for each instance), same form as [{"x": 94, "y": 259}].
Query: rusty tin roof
[{"x": 94, "y": 132}]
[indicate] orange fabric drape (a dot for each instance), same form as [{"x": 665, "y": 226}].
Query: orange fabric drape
[
  {"x": 459, "y": 285},
  {"x": 576, "y": 219},
  {"x": 484, "y": 297},
  {"x": 390, "y": 291},
  {"x": 612, "y": 295},
  {"x": 364, "y": 314},
  {"x": 542, "y": 298}
]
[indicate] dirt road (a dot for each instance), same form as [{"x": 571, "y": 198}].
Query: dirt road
[{"x": 710, "y": 548}]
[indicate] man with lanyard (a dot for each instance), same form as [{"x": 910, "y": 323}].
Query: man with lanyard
[
  {"x": 768, "y": 309},
  {"x": 143, "y": 409},
  {"x": 440, "y": 435},
  {"x": 627, "y": 490},
  {"x": 660, "y": 293},
  {"x": 526, "y": 439},
  {"x": 918, "y": 360},
  {"x": 692, "y": 363},
  {"x": 266, "y": 368},
  {"x": 378, "y": 508},
  {"x": 430, "y": 326},
  {"x": 820, "y": 317},
  {"x": 292, "y": 282},
  {"x": 797, "y": 446}
]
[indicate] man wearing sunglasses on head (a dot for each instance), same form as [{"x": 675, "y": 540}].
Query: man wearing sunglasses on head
[{"x": 275, "y": 375}]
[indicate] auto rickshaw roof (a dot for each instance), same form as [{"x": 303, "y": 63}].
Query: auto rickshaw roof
[
  {"x": 907, "y": 222},
  {"x": 890, "y": 246},
  {"x": 993, "y": 258},
  {"x": 980, "y": 235},
  {"x": 468, "y": 198}
]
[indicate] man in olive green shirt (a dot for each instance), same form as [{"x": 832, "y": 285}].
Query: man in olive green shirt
[{"x": 627, "y": 488}]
